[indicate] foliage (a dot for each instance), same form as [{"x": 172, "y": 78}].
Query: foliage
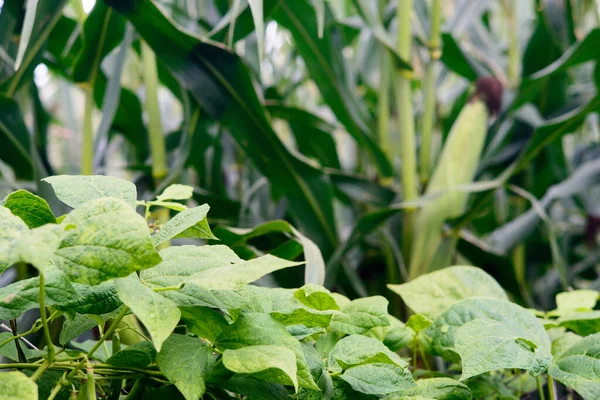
[{"x": 211, "y": 334}]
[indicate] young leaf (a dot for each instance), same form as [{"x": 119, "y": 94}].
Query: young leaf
[
  {"x": 11, "y": 227},
  {"x": 158, "y": 314},
  {"x": 32, "y": 209},
  {"x": 187, "y": 362},
  {"x": 316, "y": 297},
  {"x": 254, "y": 329},
  {"x": 359, "y": 350},
  {"x": 24, "y": 295},
  {"x": 139, "y": 355},
  {"x": 398, "y": 335},
  {"x": 117, "y": 235},
  {"x": 75, "y": 190},
  {"x": 270, "y": 363},
  {"x": 378, "y": 378},
  {"x": 582, "y": 323},
  {"x": 577, "y": 367},
  {"x": 176, "y": 192},
  {"x": 235, "y": 276},
  {"x": 434, "y": 293},
  {"x": 16, "y": 385},
  {"x": 361, "y": 315},
  {"x": 576, "y": 301},
  {"x": 190, "y": 223}
]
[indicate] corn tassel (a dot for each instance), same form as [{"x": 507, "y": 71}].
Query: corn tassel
[{"x": 456, "y": 167}]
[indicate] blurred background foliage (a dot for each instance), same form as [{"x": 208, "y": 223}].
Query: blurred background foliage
[{"x": 331, "y": 115}]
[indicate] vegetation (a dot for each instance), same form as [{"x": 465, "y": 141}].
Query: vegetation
[{"x": 378, "y": 143}]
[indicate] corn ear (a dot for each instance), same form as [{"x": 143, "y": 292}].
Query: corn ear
[{"x": 456, "y": 167}]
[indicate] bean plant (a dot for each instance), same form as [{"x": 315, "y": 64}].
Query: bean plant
[{"x": 124, "y": 315}]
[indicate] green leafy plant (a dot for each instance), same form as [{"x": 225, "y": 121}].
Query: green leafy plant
[{"x": 185, "y": 321}]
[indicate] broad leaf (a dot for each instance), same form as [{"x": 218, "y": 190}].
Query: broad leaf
[
  {"x": 75, "y": 190},
  {"x": 187, "y": 362},
  {"x": 474, "y": 328},
  {"x": 271, "y": 363},
  {"x": 359, "y": 350},
  {"x": 158, "y": 314},
  {"x": 16, "y": 385},
  {"x": 11, "y": 227},
  {"x": 316, "y": 297},
  {"x": 361, "y": 315},
  {"x": 378, "y": 378},
  {"x": 24, "y": 295},
  {"x": 253, "y": 329},
  {"x": 235, "y": 276},
  {"x": 117, "y": 235},
  {"x": 439, "y": 388},
  {"x": 138, "y": 355},
  {"x": 582, "y": 323},
  {"x": 30, "y": 208},
  {"x": 204, "y": 322},
  {"x": 576, "y": 301},
  {"x": 100, "y": 299},
  {"x": 434, "y": 293},
  {"x": 578, "y": 367},
  {"x": 190, "y": 223}
]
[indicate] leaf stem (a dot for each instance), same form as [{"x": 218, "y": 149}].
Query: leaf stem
[
  {"x": 47, "y": 336},
  {"x": 552, "y": 388},
  {"x": 87, "y": 146},
  {"x": 135, "y": 390},
  {"x": 540, "y": 387}
]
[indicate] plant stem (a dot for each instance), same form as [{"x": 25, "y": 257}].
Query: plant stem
[
  {"x": 135, "y": 390},
  {"x": 511, "y": 7},
  {"x": 406, "y": 123},
  {"x": 40, "y": 370},
  {"x": 91, "y": 384},
  {"x": 552, "y": 388},
  {"x": 383, "y": 105},
  {"x": 49, "y": 344},
  {"x": 540, "y": 387},
  {"x": 87, "y": 147},
  {"x": 429, "y": 107},
  {"x": 155, "y": 131}
]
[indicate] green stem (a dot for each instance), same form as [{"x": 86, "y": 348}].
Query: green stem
[
  {"x": 155, "y": 131},
  {"x": 49, "y": 344},
  {"x": 40, "y": 370},
  {"x": 91, "y": 383},
  {"x": 540, "y": 387},
  {"x": 511, "y": 7},
  {"x": 383, "y": 106},
  {"x": 136, "y": 390},
  {"x": 87, "y": 147},
  {"x": 429, "y": 107},
  {"x": 406, "y": 123},
  {"x": 552, "y": 388},
  {"x": 57, "y": 388}
]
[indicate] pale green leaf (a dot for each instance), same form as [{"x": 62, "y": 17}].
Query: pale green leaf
[
  {"x": 16, "y": 385},
  {"x": 361, "y": 315},
  {"x": 440, "y": 389},
  {"x": 378, "y": 378},
  {"x": 45, "y": 240},
  {"x": 563, "y": 342},
  {"x": 11, "y": 227},
  {"x": 579, "y": 367},
  {"x": 582, "y": 323},
  {"x": 270, "y": 363},
  {"x": 76, "y": 190},
  {"x": 254, "y": 329},
  {"x": 190, "y": 223},
  {"x": 187, "y": 362},
  {"x": 576, "y": 301},
  {"x": 398, "y": 335},
  {"x": 32, "y": 209},
  {"x": 486, "y": 345},
  {"x": 358, "y": 350},
  {"x": 316, "y": 297},
  {"x": 176, "y": 192},
  {"x": 158, "y": 314},
  {"x": 433, "y": 293},
  {"x": 234, "y": 276},
  {"x": 110, "y": 241},
  {"x": 515, "y": 337}
]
